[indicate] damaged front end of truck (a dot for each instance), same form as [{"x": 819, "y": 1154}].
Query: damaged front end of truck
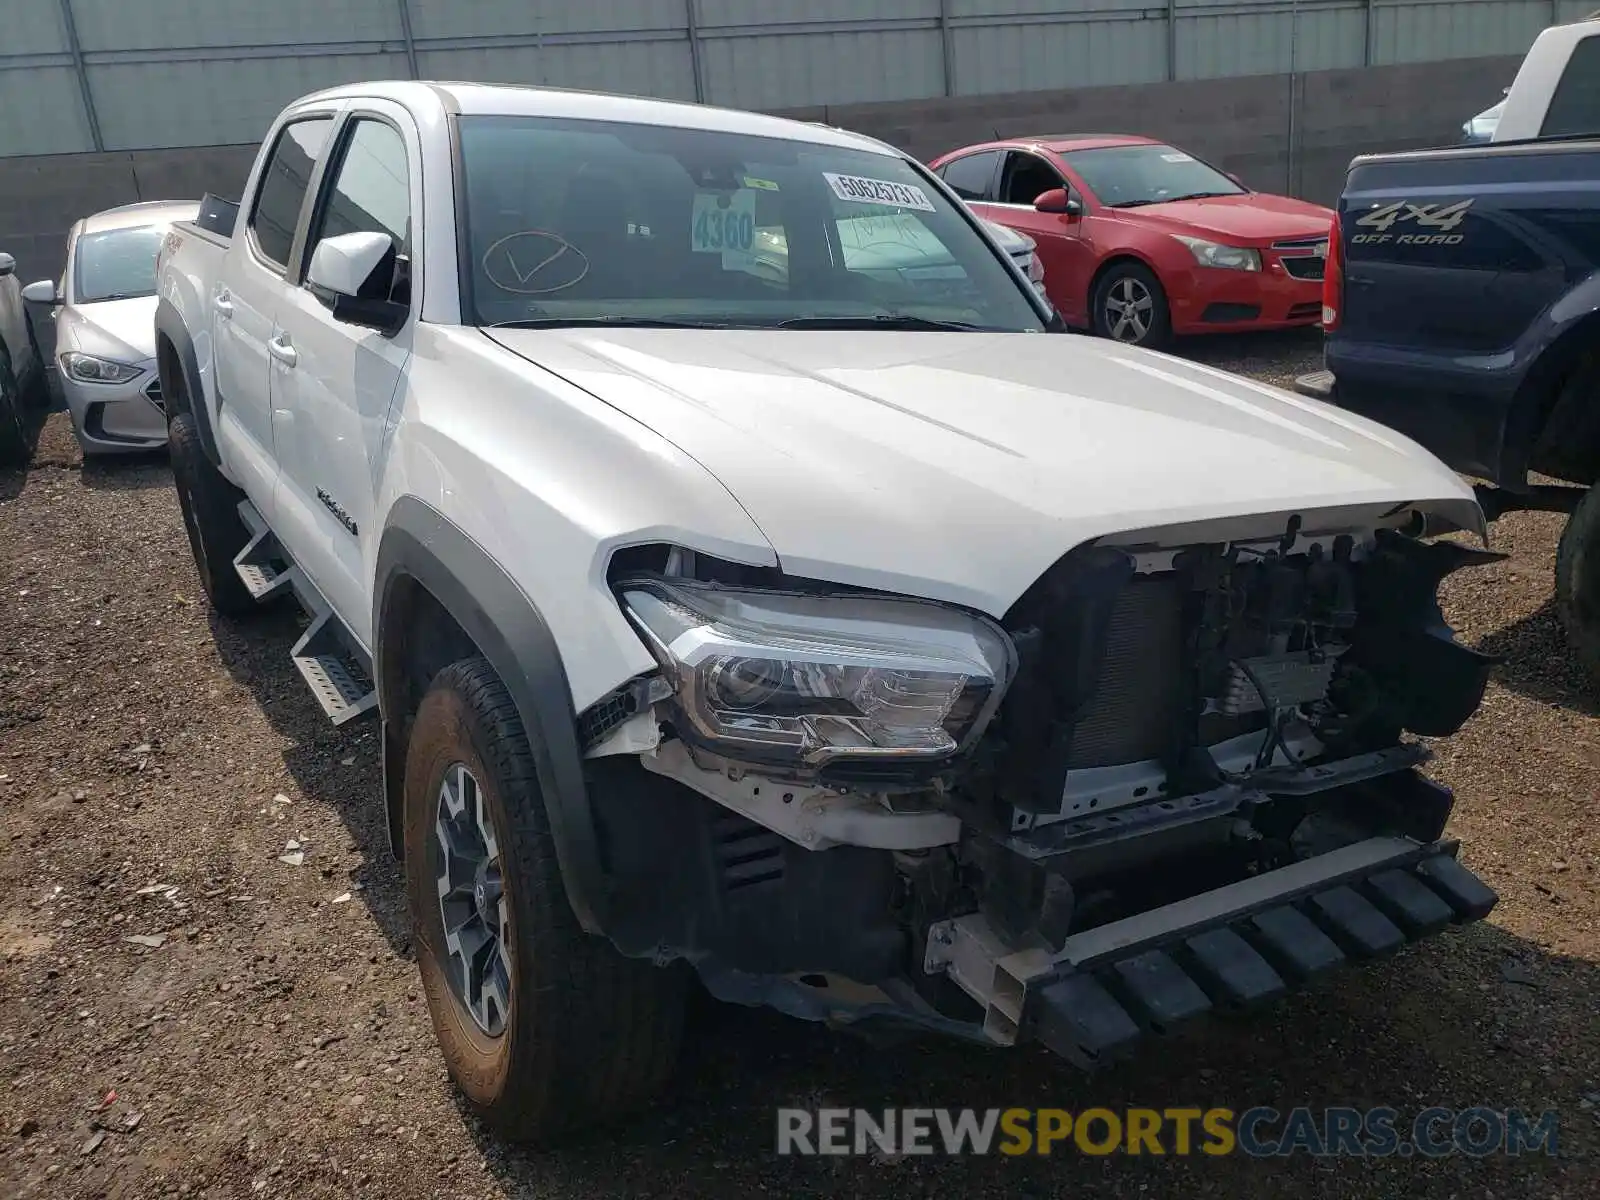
[{"x": 1178, "y": 775}]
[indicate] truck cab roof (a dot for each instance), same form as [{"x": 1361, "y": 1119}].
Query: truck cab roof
[{"x": 482, "y": 99}]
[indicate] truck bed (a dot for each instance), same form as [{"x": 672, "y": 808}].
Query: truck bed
[{"x": 1457, "y": 264}]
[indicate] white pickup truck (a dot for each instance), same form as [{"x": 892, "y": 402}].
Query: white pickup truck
[{"x": 742, "y": 599}]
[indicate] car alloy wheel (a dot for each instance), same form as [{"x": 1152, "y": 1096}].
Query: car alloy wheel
[
  {"x": 472, "y": 901},
  {"x": 1129, "y": 311}
]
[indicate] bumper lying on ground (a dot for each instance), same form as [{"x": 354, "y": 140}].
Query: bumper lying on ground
[{"x": 1226, "y": 949}]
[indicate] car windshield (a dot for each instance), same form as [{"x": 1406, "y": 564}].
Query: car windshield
[
  {"x": 117, "y": 264},
  {"x": 1130, "y": 176},
  {"x": 573, "y": 221}
]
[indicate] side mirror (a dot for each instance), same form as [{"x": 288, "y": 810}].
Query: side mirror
[
  {"x": 8, "y": 265},
  {"x": 1056, "y": 200},
  {"x": 352, "y": 274},
  {"x": 42, "y": 291}
]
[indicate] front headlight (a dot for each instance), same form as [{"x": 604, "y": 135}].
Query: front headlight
[
  {"x": 1214, "y": 254},
  {"x": 801, "y": 679},
  {"x": 86, "y": 368}
]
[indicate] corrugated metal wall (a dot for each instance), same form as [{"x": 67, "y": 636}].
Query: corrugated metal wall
[{"x": 80, "y": 75}]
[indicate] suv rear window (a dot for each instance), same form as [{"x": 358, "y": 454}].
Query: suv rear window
[
  {"x": 1575, "y": 106},
  {"x": 596, "y": 220},
  {"x": 283, "y": 186}
]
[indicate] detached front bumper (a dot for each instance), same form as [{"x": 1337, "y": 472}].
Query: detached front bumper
[{"x": 1230, "y": 948}]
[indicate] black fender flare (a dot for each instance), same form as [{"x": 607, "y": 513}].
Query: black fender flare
[
  {"x": 1569, "y": 331},
  {"x": 169, "y": 325},
  {"x": 420, "y": 543}
]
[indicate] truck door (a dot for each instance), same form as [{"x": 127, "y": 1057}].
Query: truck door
[
  {"x": 334, "y": 383},
  {"x": 246, "y": 297}
]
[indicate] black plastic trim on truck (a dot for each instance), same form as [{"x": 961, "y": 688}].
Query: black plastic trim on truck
[
  {"x": 419, "y": 543},
  {"x": 169, "y": 325}
]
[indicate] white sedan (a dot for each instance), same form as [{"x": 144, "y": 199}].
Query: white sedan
[{"x": 105, "y": 328}]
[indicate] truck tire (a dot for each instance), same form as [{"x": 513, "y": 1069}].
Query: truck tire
[
  {"x": 543, "y": 1027},
  {"x": 15, "y": 449},
  {"x": 210, "y": 507},
  {"x": 1129, "y": 305},
  {"x": 1578, "y": 582}
]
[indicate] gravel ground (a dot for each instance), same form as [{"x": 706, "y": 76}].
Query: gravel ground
[{"x": 154, "y": 764}]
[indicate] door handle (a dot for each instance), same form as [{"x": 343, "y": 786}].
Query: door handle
[
  {"x": 224, "y": 305},
  {"x": 280, "y": 349}
]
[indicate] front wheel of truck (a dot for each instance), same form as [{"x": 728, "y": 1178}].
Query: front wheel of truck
[
  {"x": 1578, "y": 582},
  {"x": 211, "y": 518},
  {"x": 543, "y": 1027}
]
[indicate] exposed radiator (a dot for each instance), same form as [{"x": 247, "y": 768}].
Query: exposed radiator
[{"x": 1139, "y": 693}]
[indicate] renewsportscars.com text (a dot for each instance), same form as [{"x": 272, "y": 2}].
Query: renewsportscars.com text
[{"x": 1255, "y": 1132}]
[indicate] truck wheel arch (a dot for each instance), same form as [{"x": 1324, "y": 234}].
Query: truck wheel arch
[
  {"x": 177, "y": 363},
  {"x": 1554, "y": 427},
  {"x": 428, "y": 570}
]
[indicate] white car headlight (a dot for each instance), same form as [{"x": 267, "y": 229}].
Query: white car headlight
[
  {"x": 1214, "y": 254},
  {"x": 86, "y": 368},
  {"x": 798, "y": 679}
]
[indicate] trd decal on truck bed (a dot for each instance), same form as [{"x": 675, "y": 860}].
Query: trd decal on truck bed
[
  {"x": 1429, "y": 216},
  {"x": 337, "y": 509}
]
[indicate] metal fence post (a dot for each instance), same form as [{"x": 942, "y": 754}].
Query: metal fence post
[
  {"x": 1172, "y": 39},
  {"x": 691, "y": 16},
  {"x": 76, "y": 48},
  {"x": 948, "y": 45},
  {"x": 411, "y": 41}
]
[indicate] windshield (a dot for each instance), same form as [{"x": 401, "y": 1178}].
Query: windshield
[
  {"x": 117, "y": 264},
  {"x": 1128, "y": 176},
  {"x": 582, "y": 221}
]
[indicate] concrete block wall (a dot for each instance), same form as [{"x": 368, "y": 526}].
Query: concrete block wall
[{"x": 1241, "y": 124}]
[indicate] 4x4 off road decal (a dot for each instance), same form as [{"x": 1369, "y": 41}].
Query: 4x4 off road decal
[{"x": 1425, "y": 217}]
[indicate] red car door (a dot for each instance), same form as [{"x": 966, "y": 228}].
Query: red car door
[{"x": 1067, "y": 254}]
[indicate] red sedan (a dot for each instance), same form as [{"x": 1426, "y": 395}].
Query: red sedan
[{"x": 1140, "y": 240}]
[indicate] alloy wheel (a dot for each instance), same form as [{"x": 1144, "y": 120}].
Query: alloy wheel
[
  {"x": 1129, "y": 310},
  {"x": 472, "y": 901}
]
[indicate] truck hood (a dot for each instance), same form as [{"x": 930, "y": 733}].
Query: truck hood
[
  {"x": 1253, "y": 218},
  {"x": 959, "y": 466}
]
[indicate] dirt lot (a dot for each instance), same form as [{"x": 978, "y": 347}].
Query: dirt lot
[{"x": 154, "y": 765}]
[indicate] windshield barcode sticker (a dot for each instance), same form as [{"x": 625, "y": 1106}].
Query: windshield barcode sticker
[{"x": 878, "y": 191}]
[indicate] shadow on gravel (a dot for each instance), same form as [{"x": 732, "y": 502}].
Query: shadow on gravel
[
  {"x": 1439, "y": 1025},
  {"x": 1225, "y": 348},
  {"x": 255, "y": 652},
  {"x": 1538, "y": 663},
  {"x": 127, "y": 473}
]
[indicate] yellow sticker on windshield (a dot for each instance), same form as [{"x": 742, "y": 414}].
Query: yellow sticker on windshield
[{"x": 766, "y": 185}]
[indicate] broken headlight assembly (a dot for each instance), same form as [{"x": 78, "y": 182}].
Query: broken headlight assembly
[{"x": 805, "y": 680}]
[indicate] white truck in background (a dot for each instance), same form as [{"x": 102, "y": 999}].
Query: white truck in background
[
  {"x": 1557, "y": 89},
  {"x": 750, "y": 582}
]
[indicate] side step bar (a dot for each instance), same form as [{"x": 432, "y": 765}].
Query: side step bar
[
  {"x": 342, "y": 688},
  {"x": 334, "y": 665},
  {"x": 263, "y": 567}
]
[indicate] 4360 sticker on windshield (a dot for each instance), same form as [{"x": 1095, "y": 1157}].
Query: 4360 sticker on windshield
[
  {"x": 723, "y": 221},
  {"x": 878, "y": 191}
]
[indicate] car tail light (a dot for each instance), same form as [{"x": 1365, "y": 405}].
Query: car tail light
[{"x": 1333, "y": 280}]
